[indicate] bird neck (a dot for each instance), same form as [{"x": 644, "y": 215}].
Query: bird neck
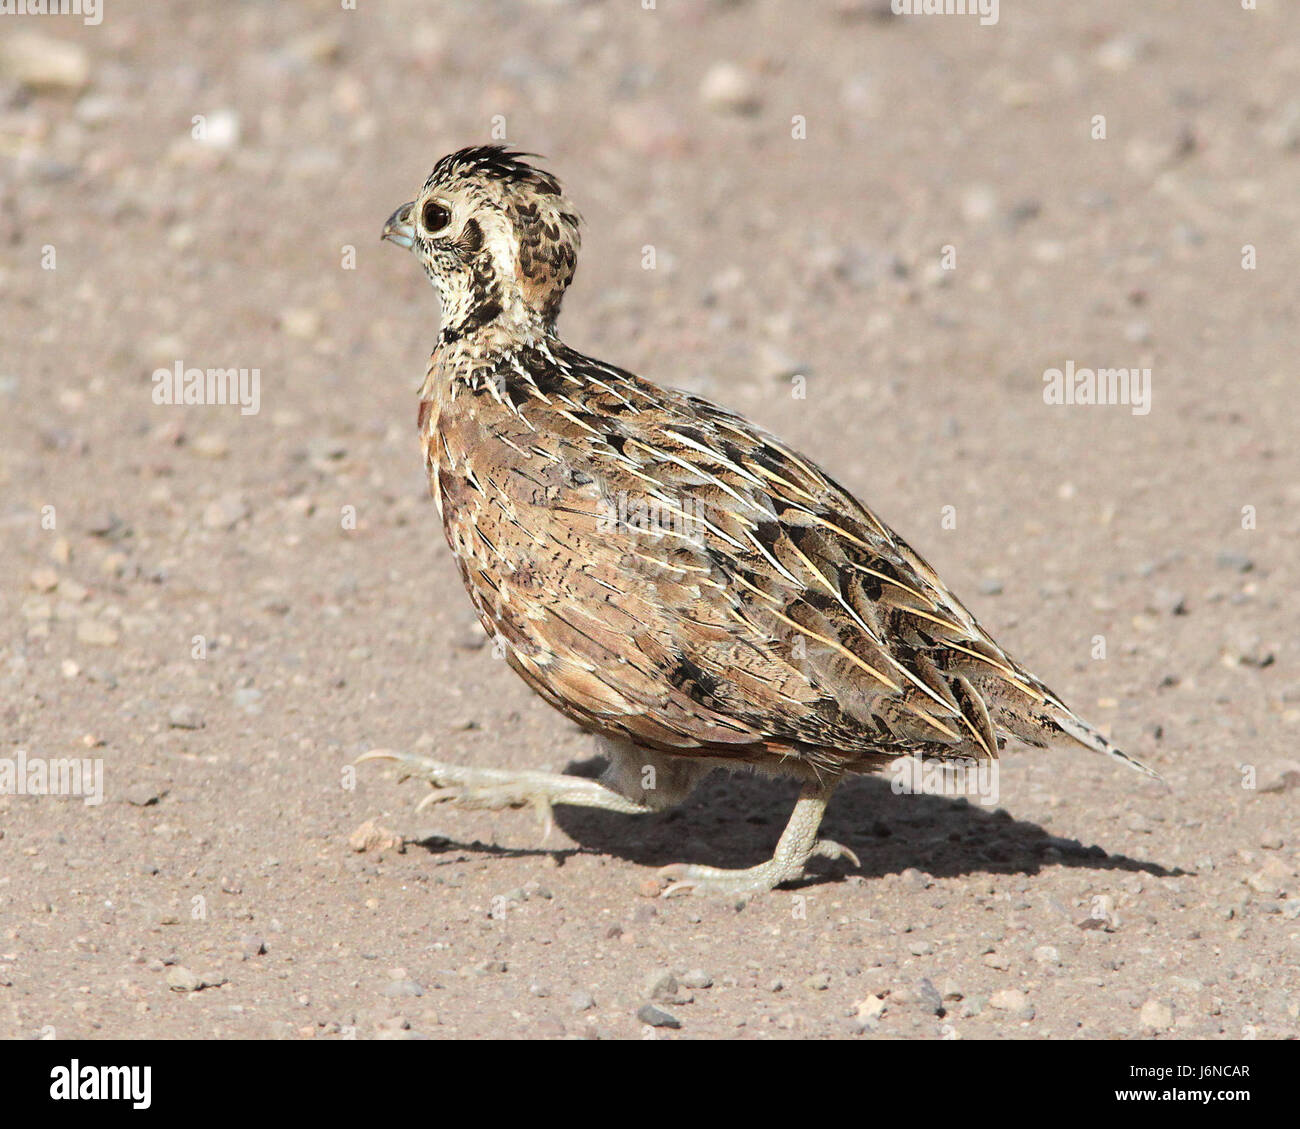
[
  {"x": 467, "y": 357},
  {"x": 493, "y": 328},
  {"x": 487, "y": 307}
]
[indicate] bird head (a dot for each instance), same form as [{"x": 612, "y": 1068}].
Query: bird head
[{"x": 497, "y": 238}]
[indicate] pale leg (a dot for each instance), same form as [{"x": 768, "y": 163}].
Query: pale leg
[
  {"x": 637, "y": 781},
  {"x": 797, "y": 845}
]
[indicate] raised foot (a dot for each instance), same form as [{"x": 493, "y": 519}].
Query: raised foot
[
  {"x": 684, "y": 878},
  {"x": 496, "y": 788},
  {"x": 491, "y": 788}
]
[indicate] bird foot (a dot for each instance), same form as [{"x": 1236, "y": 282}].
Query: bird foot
[
  {"x": 492, "y": 789},
  {"x": 481, "y": 789},
  {"x": 719, "y": 881}
]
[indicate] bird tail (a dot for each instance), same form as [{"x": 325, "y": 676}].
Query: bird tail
[{"x": 1087, "y": 736}]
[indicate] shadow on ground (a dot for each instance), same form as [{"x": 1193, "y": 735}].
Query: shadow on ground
[{"x": 735, "y": 821}]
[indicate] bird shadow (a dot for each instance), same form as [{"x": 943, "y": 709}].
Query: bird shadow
[{"x": 734, "y": 820}]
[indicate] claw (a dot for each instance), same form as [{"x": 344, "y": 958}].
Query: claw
[
  {"x": 546, "y": 813},
  {"x": 675, "y": 876},
  {"x": 829, "y": 849},
  {"x": 679, "y": 882},
  {"x": 413, "y": 764},
  {"x": 437, "y": 796}
]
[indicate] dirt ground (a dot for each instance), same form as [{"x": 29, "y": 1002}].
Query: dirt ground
[{"x": 223, "y": 608}]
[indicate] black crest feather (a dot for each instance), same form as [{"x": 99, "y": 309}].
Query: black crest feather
[{"x": 496, "y": 162}]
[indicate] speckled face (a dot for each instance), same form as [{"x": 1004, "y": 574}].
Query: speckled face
[
  {"x": 495, "y": 236},
  {"x": 445, "y": 227}
]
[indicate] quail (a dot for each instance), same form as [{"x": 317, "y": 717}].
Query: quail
[{"x": 665, "y": 573}]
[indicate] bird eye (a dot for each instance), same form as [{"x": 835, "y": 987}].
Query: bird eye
[{"x": 435, "y": 216}]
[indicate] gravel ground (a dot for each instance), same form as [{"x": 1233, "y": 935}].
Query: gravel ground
[{"x": 223, "y": 608}]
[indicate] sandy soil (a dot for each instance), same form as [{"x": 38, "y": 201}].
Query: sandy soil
[{"x": 224, "y": 609}]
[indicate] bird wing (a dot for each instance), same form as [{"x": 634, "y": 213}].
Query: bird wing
[{"x": 664, "y": 570}]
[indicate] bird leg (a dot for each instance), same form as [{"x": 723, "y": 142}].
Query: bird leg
[
  {"x": 630, "y": 786},
  {"x": 637, "y": 781},
  {"x": 496, "y": 788},
  {"x": 797, "y": 845}
]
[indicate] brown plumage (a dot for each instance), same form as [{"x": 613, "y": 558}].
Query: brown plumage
[{"x": 661, "y": 570}]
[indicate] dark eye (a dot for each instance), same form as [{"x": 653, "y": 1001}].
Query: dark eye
[{"x": 435, "y": 216}]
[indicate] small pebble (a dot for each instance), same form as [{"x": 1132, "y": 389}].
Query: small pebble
[
  {"x": 247, "y": 698},
  {"x": 660, "y": 985},
  {"x": 1156, "y": 1015},
  {"x": 1237, "y": 562},
  {"x": 303, "y": 324},
  {"x": 96, "y": 633},
  {"x": 1278, "y": 776},
  {"x": 211, "y": 446},
  {"x": 43, "y": 63},
  {"x": 927, "y": 997},
  {"x": 657, "y": 1017},
  {"x": 225, "y": 512},
  {"x": 370, "y": 836},
  {"x": 1262, "y": 882},
  {"x": 185, "y": 717},
  {"x": 1014, "y": 1002},
  {"x": 868, "y": 1013},
  {"x": 220, "y": 129},
  {"x": 181, "y": 979},
  {"x": 44, "y": 579},
  {"x": 400, "y": 988},
  {"x": 728, "y": 89},
  {"x": 1121, "y": 52}
]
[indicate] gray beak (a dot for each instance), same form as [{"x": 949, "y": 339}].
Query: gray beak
[{"x": 399, "y": 228}]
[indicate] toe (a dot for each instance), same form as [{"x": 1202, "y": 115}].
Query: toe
[
  {"x": 438, "y": 796},
  {"x": 680, "y": 878},
  {"x": 683, "y": 878},
  {"x": 829, "y": 849}
]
